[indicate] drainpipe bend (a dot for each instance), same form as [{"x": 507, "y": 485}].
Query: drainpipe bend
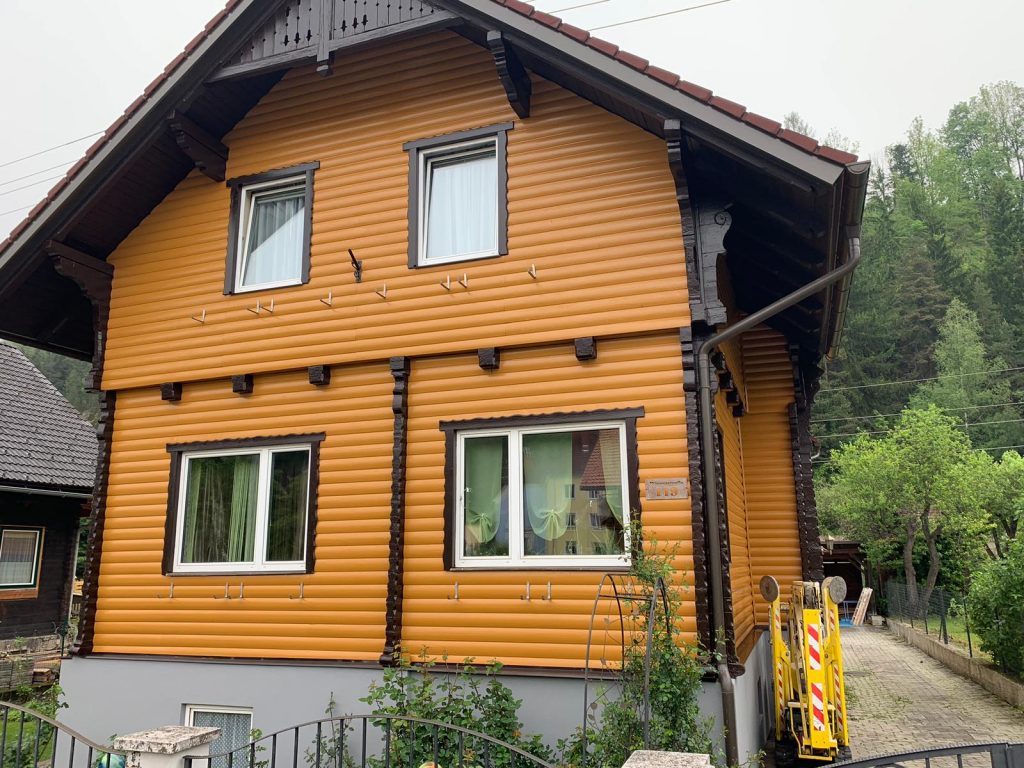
[{"x": 706, "y": 432}]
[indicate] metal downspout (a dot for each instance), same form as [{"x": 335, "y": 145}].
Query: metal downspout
[{"x": 706, "y": 429}]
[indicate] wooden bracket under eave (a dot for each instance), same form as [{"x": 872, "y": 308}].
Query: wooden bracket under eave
[
  {"x": 94, "y": 277},
  {"x": 209, "y": 154},
  {"x": 511, "y": 72}
]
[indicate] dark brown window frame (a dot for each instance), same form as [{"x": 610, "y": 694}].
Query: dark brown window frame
[
  {"x": 26, "y": 591},
  {"x": 499, "y": 132},
  {"x": 178, "y": 450},
  {"x": 452, "y": 429},
  {"x": 236, "y": 185}
]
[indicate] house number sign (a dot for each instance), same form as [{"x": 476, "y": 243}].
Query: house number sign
[{"x": 668, "y": 488}]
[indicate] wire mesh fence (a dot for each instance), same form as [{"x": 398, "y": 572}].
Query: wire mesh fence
[{"x": 937, "y": 612}]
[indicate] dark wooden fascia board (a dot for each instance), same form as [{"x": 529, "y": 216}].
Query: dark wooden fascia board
[
  {"x": 511, "y": 72},
  {"x": 400, "y": 369},
  {"x": 209, "y": 154},
  {"x": 303, "y": 438}
]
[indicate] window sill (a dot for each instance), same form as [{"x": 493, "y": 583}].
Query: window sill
[
  {"x": 240, "y": 572},
  {"x": 268, "y": 287},
  {"x": 448, "y": 262},
  {"x": 19, "y": 593},
  {"x": 609, "y": 568}
]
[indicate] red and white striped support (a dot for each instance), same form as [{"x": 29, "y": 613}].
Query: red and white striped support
[
  {"x": 814, "y": 646},
  {"x": 837, "y": 688},
  {"x": 817, "y": 707}
]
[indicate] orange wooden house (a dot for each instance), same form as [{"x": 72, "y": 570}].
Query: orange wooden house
[{"x": 395, "y": 309}]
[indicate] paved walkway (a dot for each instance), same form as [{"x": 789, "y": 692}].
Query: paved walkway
[{"x": 900, "y": 699}]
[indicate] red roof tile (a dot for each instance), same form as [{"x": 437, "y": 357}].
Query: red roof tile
[{"x": 671, "y": 79}]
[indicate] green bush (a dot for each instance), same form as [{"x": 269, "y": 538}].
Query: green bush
[{"x": 997, "y": 609}]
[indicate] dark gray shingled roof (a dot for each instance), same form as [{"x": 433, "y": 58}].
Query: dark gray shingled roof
[{"x": 44, "y": 441}]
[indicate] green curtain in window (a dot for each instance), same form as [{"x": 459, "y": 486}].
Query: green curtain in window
[
  {"x": 242, "y": 529},
  {"x": 190, "y": 539},
  {"x": 484, "y": 486},
  {"x": 548, "y": 482},
  {"x": 289, "y": 486},
  {"x": 611, "y": 459}
]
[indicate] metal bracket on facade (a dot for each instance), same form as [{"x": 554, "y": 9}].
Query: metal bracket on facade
[
  {"x": 226, "y": 595},
  {"x": 301, "y": 595},
  {"x": 328, "y": 300},
  {"x": 170, "y": 593},
  {"x": 464, "y": 282},
  {"x": 532, "y": 271},
  {"x": 383, "y": 292},
  {"x": 201, "y": 319},
  {"x": 357, "y": 266},
  {"x": 527, "y": 597},
  {"x": 456, "y": 595},
  {"x": 261, "y": 308}
]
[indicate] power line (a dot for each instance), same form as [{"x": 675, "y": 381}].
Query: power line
[
  {"x": 918, "y": 381},
  {"x": 49, "y": 149},
  {"x": 830, "y": 459},
  {"x": 35, "y": 173},
  {"x": 16, "y": 210},
  {"x": 965, "y": 425},
  {"x": 888, "y": 415},
  {"x": 581, "y": 5},
  {"x": 659, "y": 15},
  {"x": 33, "y": 184}
]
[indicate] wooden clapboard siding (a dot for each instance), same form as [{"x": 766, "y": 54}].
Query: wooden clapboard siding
[
  {"x": 490, "y": 620},
  {"x": 342, "y": 613},
  {"x": 591, "y": 205},
  {"x": 771, "y": 494},
  {"x": 734, "y": 448}
]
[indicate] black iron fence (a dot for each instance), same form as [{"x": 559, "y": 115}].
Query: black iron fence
[
  {"x": 941, "y": 613},
  {"x": 31, "y": 740},
  {"x": 373, "y": 741}
]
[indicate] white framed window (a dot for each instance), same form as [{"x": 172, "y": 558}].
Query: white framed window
[
  {"x": 244, "y": 507},
  {"x": 20, "y": 551},
  {"x": 522, "y": 496},
  {"x": 235, "y": 732},
  {"x": 458, "y": 197},
  {"x": 271, "y": 219}
]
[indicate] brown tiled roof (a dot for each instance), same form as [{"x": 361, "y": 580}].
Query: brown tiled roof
[
  {"x": 737, "y": 111},
  {"x": 44, "y": 441}
]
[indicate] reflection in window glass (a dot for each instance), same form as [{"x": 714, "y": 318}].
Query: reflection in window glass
[{"x": 485, "y": 493}]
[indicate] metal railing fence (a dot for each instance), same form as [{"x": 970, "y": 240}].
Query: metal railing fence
[{"x": 941, "y": 613}]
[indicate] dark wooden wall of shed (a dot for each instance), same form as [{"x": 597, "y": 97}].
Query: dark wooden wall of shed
[{"x": 60, "y": 519}]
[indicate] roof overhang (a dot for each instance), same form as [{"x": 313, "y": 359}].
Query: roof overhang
[{"x": 793, "y": 209}]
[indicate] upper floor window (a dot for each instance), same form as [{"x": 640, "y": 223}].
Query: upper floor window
[
  {"x": 458, "y": 207},
  {"x": 242, "y": 506},
  {"x": 521, "y": 491},
  {"x": 20, "y": 550},
  {"x": 271, "y": 220}
]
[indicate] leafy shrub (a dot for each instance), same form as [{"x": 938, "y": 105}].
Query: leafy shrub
[{"x": 997, "y": 609}]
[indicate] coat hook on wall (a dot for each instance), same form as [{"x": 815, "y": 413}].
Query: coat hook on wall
[
  {"x": 464, "y": 282},
  {"x": 456, "y": 595},
  {"x": 357, "y": 266},
  {"x": 532, "y": 271},
  {"x": 201, "y": 319},
  {"x": 301, "y": 595},
  {"x": 383, "y": 292},
  {"x": 447, "y": 283},
  {"x": 527, "y": 597},
  {"x": 328, "y": 300},
  {"x": 170, "y": 592}
]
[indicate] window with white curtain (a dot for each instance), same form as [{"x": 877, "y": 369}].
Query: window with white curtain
[
  {"x": 271, "y": 221},
  {"x": 457, "y": 197},
  {"x": 20, "y": 549},
  {"x": 235, "y": 733},
  {"x": 545, "y": 495}
]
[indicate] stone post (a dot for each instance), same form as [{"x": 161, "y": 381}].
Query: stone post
[
  {"x": 643, "y": 758},
  {"x": 165, "y": 747}
]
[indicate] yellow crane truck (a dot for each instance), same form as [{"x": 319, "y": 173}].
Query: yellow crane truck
[{"x": 807, "y": 658}]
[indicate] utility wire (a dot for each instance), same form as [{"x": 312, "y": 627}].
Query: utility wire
[
  {"x": 35, "y": 173},
  {"x": 659, "y": 15},
  {"x": 16, "y": 210},
  {"x": 33, "y": 184},
  {"x": 49, "y": 149},
  {"x": 918, "y": 381},
  {"x": 829, "y": 460},
  {"x": 965, "y": 425},
  {"x": 581, "y": 5},
  {"x": 887, "y": 415}
]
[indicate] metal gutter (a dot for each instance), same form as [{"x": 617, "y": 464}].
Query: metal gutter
[
  {"x": 706, "y": 435},
  {"x": 44, "y": 492}
]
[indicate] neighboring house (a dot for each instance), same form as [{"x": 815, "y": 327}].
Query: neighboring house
[
  {"x": 47, "y": 467},
  {"x": 394, "y": 312}
]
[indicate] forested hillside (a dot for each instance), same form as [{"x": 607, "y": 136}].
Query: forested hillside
[
  {"x": 69, "y": 376},
  {"x": 937, "y": 309}
]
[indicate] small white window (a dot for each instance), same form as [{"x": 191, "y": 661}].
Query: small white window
[
  {"x": 243, "y": 510},
  {"x": 235, "y": 732},
  {"x": 19, "y": 557},
  {"x": 524, "y": 496},
  {"x": 458, "y": 197},
  {"x": 273, "y": 222}
]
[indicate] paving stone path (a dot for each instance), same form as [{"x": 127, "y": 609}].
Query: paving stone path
[{"x": 900, "y": 699}]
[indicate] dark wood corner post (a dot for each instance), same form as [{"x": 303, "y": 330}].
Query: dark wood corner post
[
  {"x": 805, "y": 387},
  {"x": 512, "y": 74},
  {"x": 704, "y": 230},
  {"x": 93, "y": 276},
  {"x": 400, "y": 369}
]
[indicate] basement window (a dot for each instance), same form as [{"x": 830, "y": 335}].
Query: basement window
[
  {"x": 235, "y": 733},
  {"x": 243, "y": 506},
  {"x": 540, "y": 493},
  {"x": 458, "y": 207},
  {"x": 271, "y": 219}
]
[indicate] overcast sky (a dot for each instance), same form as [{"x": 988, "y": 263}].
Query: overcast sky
[{"x": 863, "y": 67}]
